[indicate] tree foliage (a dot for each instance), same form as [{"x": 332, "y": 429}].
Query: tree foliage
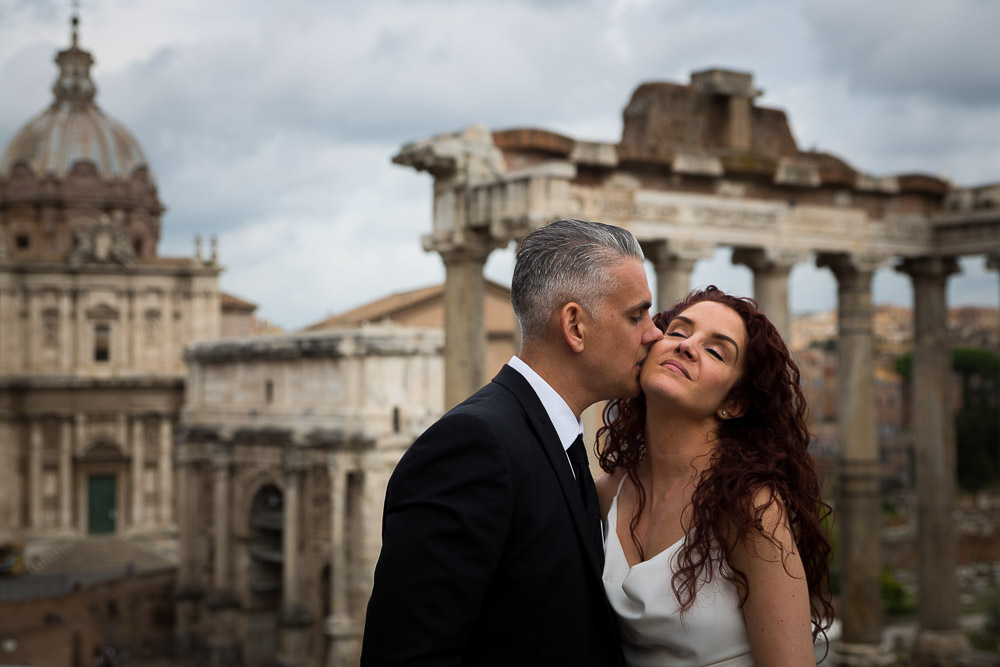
[{"x": 977, "y": 423}]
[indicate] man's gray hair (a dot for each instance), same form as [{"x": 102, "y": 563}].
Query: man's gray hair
[{"x": 565, "y": 261}]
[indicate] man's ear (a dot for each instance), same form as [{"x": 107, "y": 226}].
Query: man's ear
[{"x": 572, "y": 325}]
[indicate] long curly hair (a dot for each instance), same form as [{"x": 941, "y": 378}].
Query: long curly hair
[{"x": 765, "y": 449}]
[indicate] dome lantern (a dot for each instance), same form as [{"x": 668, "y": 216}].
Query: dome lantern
[{"x": 74, "y": 85}]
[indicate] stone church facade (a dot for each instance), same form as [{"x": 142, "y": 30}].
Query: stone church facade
[{"x": 93, "y": 323}]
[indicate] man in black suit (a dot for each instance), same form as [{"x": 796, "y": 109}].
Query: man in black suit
[{"x": 491, "y": 544}]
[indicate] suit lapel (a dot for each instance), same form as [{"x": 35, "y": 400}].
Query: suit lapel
[{"x": 548, "y": 440}]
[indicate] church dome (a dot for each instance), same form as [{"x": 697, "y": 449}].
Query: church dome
[{"x": 73, "y": 129}]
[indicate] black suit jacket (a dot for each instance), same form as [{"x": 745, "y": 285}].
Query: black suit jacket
[{"x": 486, "y": 555}]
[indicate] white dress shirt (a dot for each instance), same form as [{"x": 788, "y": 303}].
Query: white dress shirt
[{"x": 567, "y": 424}]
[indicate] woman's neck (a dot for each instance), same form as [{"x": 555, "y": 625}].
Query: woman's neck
[{"x": 677, "y": 449}]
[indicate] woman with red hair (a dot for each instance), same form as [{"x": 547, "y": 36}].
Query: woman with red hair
[{"x": 714, "y": 551}]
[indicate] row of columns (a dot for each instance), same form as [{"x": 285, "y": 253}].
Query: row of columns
[
  {"x": 71, "y": 440},
  {"x": 859, "y": 467},
  {"x": 343, "y": 626}
]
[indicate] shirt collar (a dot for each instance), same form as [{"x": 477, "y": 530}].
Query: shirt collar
[{"x": 567, "y": 425}]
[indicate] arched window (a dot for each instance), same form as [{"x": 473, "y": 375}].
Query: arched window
[{"x": 266, "y": 549}]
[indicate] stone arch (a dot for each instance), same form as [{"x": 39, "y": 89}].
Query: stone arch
[
  {"x": 247, "y": 491},
  {"x": 265, "y": 569}
]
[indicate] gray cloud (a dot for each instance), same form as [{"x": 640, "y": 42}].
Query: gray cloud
[
  {"x": 273, "y": 125},
  {"x": 944, "y": 52}
]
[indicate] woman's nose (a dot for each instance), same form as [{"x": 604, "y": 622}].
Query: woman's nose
[{"x": 684, "y": 347}]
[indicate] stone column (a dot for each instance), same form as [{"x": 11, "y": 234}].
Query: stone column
[
  {"x": 190, "y": 588},
  {"x": 166, "y": 471},
  {"x": 343, "y": 630},
  {"x": 131, "y": 329},
  {"x": 464, "y": 328},
  {"x": 80, "y": 435},
  {"x": 939, "y": 639},
  {"x": 221, "y": 601},
  {"x": 138, "y": 465},
  {"x": 770, "y": 282},
  {"x": 66, "y": 332},
  {"x": 28, "y": 345},
  {"x": 82, "y": 357},
  {"x": 294, "y": 619},
  {"x": 673, "y": 267},
  {"x": 35, "y": 446},
  {"x": 66, "y": 474},
  {"x": 858, "y": 498}
]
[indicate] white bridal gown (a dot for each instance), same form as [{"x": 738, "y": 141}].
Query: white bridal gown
[{"x": 654, "y": 634}]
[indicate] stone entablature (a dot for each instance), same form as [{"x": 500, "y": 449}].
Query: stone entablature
[
  {"x": 286, "y": 449},
  {"x": 364, "y": 382}
]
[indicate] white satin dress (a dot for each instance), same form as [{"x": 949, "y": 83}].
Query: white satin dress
[{"x": 654, "y": 633}]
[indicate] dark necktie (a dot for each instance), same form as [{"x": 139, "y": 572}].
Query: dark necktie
[{"x": 578, "y": 457}]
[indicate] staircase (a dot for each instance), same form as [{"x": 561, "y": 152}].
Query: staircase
[{"x": 100, "y": 556}]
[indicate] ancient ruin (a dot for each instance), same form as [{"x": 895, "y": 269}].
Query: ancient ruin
[{"x": 700, "y": 165}]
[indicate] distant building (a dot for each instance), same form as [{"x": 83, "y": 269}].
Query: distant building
[
  {"x": 287, "y": 445},
  {"x": 93, "y": 322},
  {"x": 424, "y": 307}
]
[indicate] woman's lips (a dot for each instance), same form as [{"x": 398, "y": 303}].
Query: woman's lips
[{"x": 678, "y": 366}]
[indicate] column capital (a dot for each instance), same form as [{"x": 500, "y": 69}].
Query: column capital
[
  {"x": 664, "y": 251},
  {"x": 769, "y": 259},
  {"x": 461, "y": 245},
  {"x": 845, "y": 264},
  {"x": 929, "y": 267}
]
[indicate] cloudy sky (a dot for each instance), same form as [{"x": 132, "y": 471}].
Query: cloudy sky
[{"x": 271, "y": 125}]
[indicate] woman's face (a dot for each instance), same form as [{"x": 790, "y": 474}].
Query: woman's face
[{"x": 698, "y": 361}]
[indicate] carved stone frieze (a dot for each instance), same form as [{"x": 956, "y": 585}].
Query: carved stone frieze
[{"x": 105, "y": 242}]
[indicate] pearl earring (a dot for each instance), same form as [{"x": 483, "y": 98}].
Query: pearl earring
[{"x": 723, "y": 413}]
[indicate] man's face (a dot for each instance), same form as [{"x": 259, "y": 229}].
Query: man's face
[{"x": 621, "y": 333}]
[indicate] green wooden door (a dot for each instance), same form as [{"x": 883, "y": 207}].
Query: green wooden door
[{"x": 101, "y": 504}]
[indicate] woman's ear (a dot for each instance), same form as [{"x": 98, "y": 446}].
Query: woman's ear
[
  {"x": 572, "y": 326},
  {"x": 732, "y": 408}
]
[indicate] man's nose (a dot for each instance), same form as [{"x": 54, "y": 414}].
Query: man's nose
[{"x": 652, "y": 334}]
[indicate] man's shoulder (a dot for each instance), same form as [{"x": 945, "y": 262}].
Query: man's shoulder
[{"x": 496, "y": 402}]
